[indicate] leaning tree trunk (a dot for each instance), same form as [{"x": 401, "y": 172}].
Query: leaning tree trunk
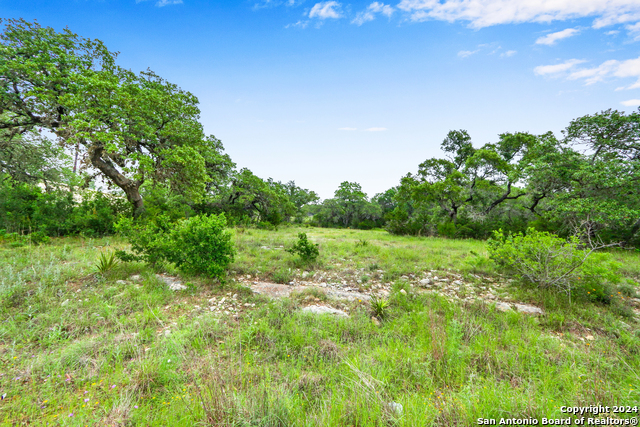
[{"x": 130, "y": 187}]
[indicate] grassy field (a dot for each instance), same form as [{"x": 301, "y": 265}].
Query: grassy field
[{"x": 79, "y": 348}]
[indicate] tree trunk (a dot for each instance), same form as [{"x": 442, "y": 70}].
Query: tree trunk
[{"x": 130, "y": 187}]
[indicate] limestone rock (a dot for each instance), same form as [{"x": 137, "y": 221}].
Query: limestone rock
[
  {"x": 528, "y": 309},
  {"x": 320, "y": 309},
  {"x": 172, "y": 282},
  {"x": 503, "y": 306}
]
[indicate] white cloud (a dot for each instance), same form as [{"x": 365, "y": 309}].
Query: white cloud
[
  {"x": 508, "y": 53},
  {"x": 596, "y": 74},
  {"x": 375, "y": 129},
  {"x": 369, "y": 13},
  {"x": 263, "y": 4},
  {"x": 611, "y": 68},
  {"x": 162, "y": 3},
  {"x": 634, "y": 30},
  {"x": 552, "y": 38},
  {"x": 608, "y": 69},
  {"x": 485, "y": 13},
  {"x": 325, "y": 10},
  {"x": 299, "y": 24},
  {"x": 542, "y": 70},
  {"x": 348, "y": 129},
  {"x": 631, "y": 103},
  {"x": 465, "y": 53}
]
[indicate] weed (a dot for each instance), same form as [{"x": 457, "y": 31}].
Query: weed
[
  {"x": 282, "y": 275},
  {"x": 361, "y": 243}
]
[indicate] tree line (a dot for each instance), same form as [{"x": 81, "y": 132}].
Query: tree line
[{"x": 69, "y": 114}]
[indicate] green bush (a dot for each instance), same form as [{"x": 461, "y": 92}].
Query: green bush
[
  {"x": 38, "y": 237},
  {"x": 97, "y": 214},
  {"x": 25, "y": 208},
  {"x": 308, "y": 251},
  {"x": 197, "y": 245},
  {"x": 549, "y": 261},
  {"x": 149, "y": 239},
  {"x": 202, "y": 245}
]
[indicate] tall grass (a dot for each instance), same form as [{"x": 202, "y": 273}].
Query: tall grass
[{"x": 79, "y": 348}]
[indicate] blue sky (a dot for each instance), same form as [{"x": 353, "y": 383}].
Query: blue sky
[{"x": 325, "y": 92}]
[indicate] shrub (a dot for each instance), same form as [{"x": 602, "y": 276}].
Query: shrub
[
  {"x": 38, "y": 237},
  {"x": 202, "y": 245},
  {"x": 149, "y": 240},
  {"x": 197, "y": 245},
  {"x": 97, "y": 214},
  {"x": 308, "y": 251},
  {"x": 549, "y": 261}
]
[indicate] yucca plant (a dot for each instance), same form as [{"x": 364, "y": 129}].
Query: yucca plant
[
  {"x": 106, "y": 262},
  {"x": 379, "y": 307}
]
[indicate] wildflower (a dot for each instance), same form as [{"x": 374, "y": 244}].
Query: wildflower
[
  {"x": 113, "y": 386},
  {"x": 135, "y": 406},
  {"x": 86, "y": 400}
]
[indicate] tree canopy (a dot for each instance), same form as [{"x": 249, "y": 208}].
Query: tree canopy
[{"x": 129, "y": 128}]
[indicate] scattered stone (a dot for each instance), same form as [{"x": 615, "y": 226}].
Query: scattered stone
[
  {"x": 135, "y": 278},
  {"x": 503, "y": 306},
  {"x": 395, "y": 407},
  {"x": 64, "y": 303},
  {"x": 121, "y": 282},
  {"x": 320, "y": 309},
  {"x": 173, "y": 283},
  {"x": 350, "y": 296},
  {"x": 457, "y": 283},
  {"x": 375, "y": 321},
  {"x": 273, "y": 290},
  {"x": 402, "y": 291},
  {"x": 624, "y": 325},
  {"x": 528, "y": 309},
  {"x": 425, "y": 282},
  {"x": 589, "y": 337}
]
